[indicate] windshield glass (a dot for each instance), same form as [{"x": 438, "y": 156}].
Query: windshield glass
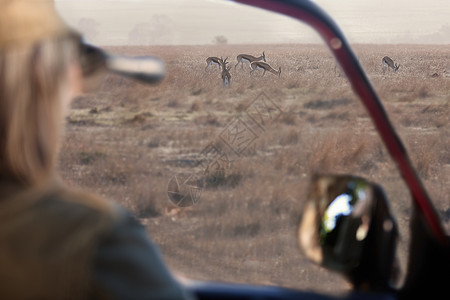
[{"x": 216, "y": 161}]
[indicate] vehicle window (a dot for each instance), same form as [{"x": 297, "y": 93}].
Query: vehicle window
[{"x": 219, "y": 173}]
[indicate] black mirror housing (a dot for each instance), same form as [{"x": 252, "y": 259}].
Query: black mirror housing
[{"x": 347, "y": 227}]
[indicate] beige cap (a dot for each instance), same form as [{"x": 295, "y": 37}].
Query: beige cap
[{"x": 24, "y": 22}]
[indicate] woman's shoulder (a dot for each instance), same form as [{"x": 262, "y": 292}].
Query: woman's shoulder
[
  {"x": 82, "y": 211},
  {"x": 72, "y": 199},
  {"x": 54, "y": 231},
  {"x": 59, "y": 211}
]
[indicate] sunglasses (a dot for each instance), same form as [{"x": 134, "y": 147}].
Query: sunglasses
[{"x": 147, "y": 69}]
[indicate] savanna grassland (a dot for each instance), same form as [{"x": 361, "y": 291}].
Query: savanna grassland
[{"x": 127, "y": 140}]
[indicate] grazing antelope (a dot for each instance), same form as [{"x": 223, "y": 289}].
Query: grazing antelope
[
  {"x": 257, "y": 65},
  {"x": 213, "y": 61},
  {"x": 390, "y": 63},
  {"x": 226, "y": 76},
  {"x": 246, "y": 58}
]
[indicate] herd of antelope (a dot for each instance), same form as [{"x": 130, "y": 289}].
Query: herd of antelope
[
  {"x": 255, "y": 63},
  {"x": 259, "y": 63}
]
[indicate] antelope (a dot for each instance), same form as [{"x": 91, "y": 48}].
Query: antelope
[
  {"x": 386, "y": 61},
  {"x": 213, "y": 61},
  {"x": 246, "y": 58},
  {"x": 257, "y": 65},
  {"x": 226, "y": 76}
]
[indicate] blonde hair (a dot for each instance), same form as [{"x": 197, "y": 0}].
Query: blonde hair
[{"x": 33, "y": 80}]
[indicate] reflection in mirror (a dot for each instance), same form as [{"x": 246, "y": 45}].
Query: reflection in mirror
[{"x": 347, "y": 227}]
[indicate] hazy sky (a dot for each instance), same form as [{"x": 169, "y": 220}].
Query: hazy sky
[{"x": 119, "y": 22}]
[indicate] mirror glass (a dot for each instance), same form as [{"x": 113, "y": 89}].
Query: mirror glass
[{"x": 341, "y": 210}]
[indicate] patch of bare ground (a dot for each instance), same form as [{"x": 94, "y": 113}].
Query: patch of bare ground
[{"x": 127, "y": 140}]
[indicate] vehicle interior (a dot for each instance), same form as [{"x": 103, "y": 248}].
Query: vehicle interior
[{"x": 269, "y": 147}]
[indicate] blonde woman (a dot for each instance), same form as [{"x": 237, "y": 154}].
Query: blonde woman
[{"x": 56, "y": 243}]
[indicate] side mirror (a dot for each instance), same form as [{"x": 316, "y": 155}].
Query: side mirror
[{"x": 347, "y": 227}]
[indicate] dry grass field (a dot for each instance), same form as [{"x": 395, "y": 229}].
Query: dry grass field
[{"x": 126, "y": 141}]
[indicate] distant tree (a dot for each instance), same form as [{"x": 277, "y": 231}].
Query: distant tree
[
  {"x": 220, "y": 40},
  {"x": 442, "y": 36},
  {"x": 140, "y": 34},
  {"x": 89, "y": 28},
  {"x": 159, "y": 31}
]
